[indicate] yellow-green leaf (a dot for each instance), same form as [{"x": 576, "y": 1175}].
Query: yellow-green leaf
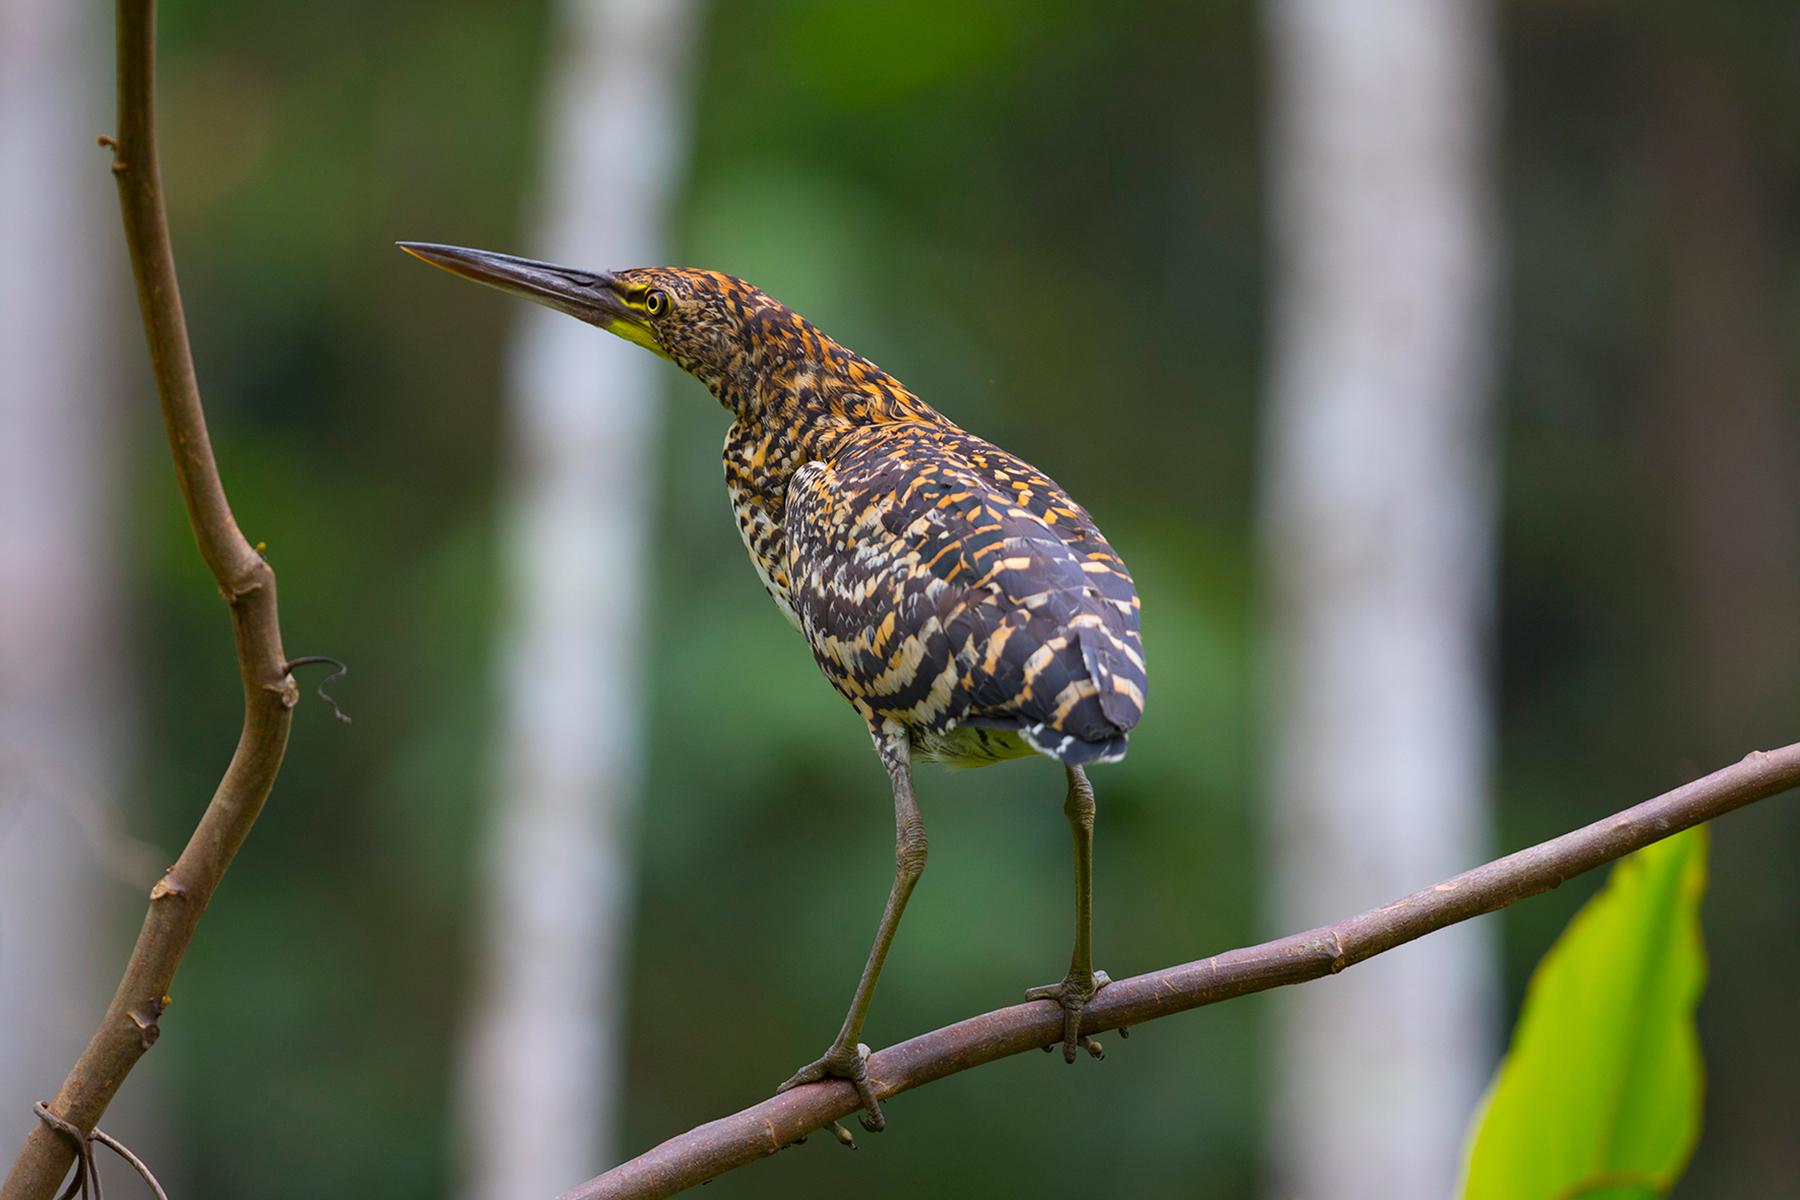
[{"x": 1599, "y": 1096}]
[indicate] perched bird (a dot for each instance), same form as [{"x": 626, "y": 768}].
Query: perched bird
[{"x": 964, "y": 605}]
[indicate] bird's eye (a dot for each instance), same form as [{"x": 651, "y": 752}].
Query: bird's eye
[{"x": 656, "y": 303}]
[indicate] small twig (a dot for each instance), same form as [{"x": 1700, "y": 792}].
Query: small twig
[
  {"x": 710, "y": 1150},
  {"x": 85, "y": 1170},
  {"x": 86, "y": 1182},
  {"x": 137, "y": 1164},
  {"x": 319, "y": 660}
]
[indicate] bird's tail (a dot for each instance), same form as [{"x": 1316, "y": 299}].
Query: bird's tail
[{"x": 1070, "y": 750}]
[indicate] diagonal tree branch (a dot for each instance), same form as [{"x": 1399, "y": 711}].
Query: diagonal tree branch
[
  {"x": 711, "y": 1150},
  {"x": 248, "y": 584}
]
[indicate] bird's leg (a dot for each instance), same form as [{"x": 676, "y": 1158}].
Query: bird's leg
[
  {"x": 1082, "y": 981},
  {"x": 847, "y": 1058}
]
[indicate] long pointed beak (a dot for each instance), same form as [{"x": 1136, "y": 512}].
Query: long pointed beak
[{"x": 596, "y": 297}]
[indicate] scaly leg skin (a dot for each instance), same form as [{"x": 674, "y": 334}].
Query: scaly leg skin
[
  {"x": 1082, "y": 982},
  {"x": 847, "y": 1058}
]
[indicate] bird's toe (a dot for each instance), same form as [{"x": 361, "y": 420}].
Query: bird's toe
[
  {"x": 1072, "y": 994},
  {"x": 849, "y": 1063}
]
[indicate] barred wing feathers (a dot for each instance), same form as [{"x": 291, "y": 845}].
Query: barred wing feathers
[{"x": 945, "y": 584}]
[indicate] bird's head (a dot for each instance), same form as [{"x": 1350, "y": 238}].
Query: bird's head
[{"x": 714, "y": 326}]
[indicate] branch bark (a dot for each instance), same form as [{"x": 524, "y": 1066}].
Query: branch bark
[
  {"x": 711, "y": 1150},
  {"x": 129, "y": 1026}
]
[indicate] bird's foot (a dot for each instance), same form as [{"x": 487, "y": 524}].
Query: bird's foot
[
  {"x": 1073, "y": 993},
  {"x": 844, "y": 1062}
]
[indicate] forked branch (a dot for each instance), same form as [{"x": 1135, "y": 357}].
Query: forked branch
[
  {"x": 248, "y": 584},
  {"x": 713, "y": 1149}
]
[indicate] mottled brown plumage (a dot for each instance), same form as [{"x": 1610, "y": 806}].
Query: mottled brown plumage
[
  {"x": 963, "y": 604},
  {"x": 942, "y": 583}
]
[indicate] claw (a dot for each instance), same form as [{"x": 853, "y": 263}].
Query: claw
[
  {"x": 1073, "y": 995},
  {"x": 836, "y": 1064}
]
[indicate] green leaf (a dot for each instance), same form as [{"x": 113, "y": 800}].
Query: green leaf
[{"x": 1599, "y": 1095}]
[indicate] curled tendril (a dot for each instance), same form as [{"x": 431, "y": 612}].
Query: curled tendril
[
  {"x": 319, "y": 660},
  {"x": 86, "y": 1183}
]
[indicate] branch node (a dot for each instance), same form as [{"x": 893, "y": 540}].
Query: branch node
[
  {"x": 146, "y": 1017},
  {"x": 285, "y": 690},
  {"x": 237, "y": 591},
  {"x": 168, "y": 886},
  {"x": 107, "y": 140}
]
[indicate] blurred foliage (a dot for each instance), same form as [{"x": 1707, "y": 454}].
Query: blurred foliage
[
  {"x": 1599, "y": 1095},
  {"x": 1046, "y": 219}
]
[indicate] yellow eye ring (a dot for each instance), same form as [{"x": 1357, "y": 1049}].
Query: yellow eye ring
[{"x": 656, "y": 303}]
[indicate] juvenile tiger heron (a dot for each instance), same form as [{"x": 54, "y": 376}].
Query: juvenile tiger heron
[{"x": 964, "y": 605}]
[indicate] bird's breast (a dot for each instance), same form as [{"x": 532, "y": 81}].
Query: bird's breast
[{"x": 757, "y": 467}]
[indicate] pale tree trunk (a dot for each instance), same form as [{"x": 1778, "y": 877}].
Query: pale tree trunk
[
  {"x": 1378, "y": 551},
  {"x": 64, "y": 703},
  {"x": 545, "y": 1057}
]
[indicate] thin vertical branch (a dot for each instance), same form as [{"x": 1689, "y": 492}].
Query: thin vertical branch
[{"x": 130, "y": 1026}]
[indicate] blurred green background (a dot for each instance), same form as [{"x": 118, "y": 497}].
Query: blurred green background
[{"x": 1049, "y": 220}]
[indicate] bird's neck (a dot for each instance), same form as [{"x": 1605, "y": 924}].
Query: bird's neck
[
  {"x": 810, "y": 393},
  {"x": 792, "y": 409}
]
